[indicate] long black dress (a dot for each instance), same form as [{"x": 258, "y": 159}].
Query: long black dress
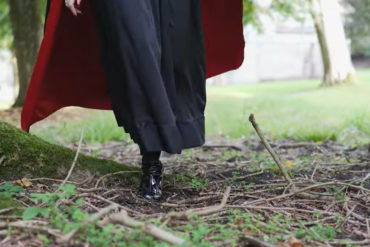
[{"x": 154, "y": 58}]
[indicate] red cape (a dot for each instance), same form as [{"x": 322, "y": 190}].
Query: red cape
[{"x": 68, "y": 70}]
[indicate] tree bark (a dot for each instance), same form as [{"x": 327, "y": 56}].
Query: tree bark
[
  {"x": 335, "y": 51},
  {"x": 27, "y": 26}
]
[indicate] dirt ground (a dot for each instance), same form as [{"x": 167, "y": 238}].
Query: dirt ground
[{"x": 330, "y": 190}]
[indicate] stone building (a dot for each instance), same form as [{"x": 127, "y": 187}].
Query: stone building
[{"x": 285, "y": 50}]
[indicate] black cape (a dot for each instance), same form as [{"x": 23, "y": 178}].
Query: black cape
[
  {"x": 144, "y": 59},
  {"x": 154, "y": 58}
]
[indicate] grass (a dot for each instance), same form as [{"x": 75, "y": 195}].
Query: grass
[
  {"x": 100, "y": 129},
  {"x": 285, "y": 109},
  {"x": 298, "y": 109}
]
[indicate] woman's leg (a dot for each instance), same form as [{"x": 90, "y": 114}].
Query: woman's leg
[
  {"x": 152, "y": 167},
  {"x": 151, "y": 155}
]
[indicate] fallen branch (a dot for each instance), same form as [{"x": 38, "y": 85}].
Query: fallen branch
[
  {"x": 116, "y": 204},
  {"x": 346, "y": 243},
  {"x": 154, "y": 231},
  {"x": 280, "y": 209},
  {"x": 238, "y": 178},
  {"x": 300, "y": 191},
  {"x": 296, "y": 145},
  {"x": 68, "y": 237},
  {"x": 32, "y": 226},
  {"x": 7, "y": 210},
  {"x": 234, "y": 147},
  {"x": 366, "y": 177},
  {"x": 271, "y": 151},
  {"x": 202, "y": 211},
  {"x": 247, "y": 241}
]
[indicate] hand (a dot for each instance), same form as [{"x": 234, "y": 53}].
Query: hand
[{"x": 71, "y": 5}]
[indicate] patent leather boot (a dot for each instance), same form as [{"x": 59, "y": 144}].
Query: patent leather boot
[{"x": 150, "y": 186}]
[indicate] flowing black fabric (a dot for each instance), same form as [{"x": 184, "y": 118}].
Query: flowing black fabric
[{"x": 154, "y": 58}]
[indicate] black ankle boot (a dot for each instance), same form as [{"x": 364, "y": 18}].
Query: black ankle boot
[{"x": 150, "y": 186}]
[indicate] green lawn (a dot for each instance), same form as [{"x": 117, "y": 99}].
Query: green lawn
[{"x": 297, "y": 109}]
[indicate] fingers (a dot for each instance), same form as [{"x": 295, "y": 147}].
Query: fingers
[{"x": 71, "y": 5}]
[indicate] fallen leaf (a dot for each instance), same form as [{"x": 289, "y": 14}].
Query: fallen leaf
[
  {"x": 24, "y": 182},
  {"x": 288, "y": 164},
  {"x": 200, "y": 172},
  {"x": 293, "y": 242},
  {"x": 239, "y": 221}
]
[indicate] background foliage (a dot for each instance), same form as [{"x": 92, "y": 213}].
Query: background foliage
[
  {"x": 358, "y": 27},
  {"x": 6, "y": 37}
]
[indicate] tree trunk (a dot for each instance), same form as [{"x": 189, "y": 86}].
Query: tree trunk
[
  {"x": 25, "y": 155},
  {"x": 335, "y": 52},
  {"x": 26, "y": 22}
]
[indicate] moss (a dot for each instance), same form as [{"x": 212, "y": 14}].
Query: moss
[
  {"x": 6, "y": 202},
  {"x": 25, "y": 155}
]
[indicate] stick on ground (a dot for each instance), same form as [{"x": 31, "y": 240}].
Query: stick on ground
[
  {"x": 74, "y": 160},
  {"x": 154, "y": 231},
  {"x": 271, "y": 151},
  {"x": 68, "y": 237},
  {"x": 202, "y": 211}
]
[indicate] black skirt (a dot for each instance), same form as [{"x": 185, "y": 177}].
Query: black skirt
[{"x": 154, "y": 59}]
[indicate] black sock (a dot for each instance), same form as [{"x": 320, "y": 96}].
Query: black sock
[{"x": 151, "y": 155}]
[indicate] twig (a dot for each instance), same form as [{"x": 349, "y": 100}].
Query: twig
[
  {"x": 69, "y": 236},
  {"x": 280, "y": 209},
  {"x": 113, "y": 174},
  {"x": 314, "y": 170},
  {"x": 222, "y": 146},
  {"x": 154, "y": 231},
  {"x": 7, "y": 210},
  {"x": 252, "y": 242},
  {"x": 118, "y": 205},
  {"x": 30, "y": 225},
  {"x": 4, "y": 233},
  {"x": 366, "y": 177},
  {"x": 296, "y": 145},
  {"x": 346, "y": 243},
  {"x": 237, "y": 178},
  {"x": 90, "y": 190},
  {"x": 271, "y": 151},
  {"x": 74, "y": 160},
  {"x": 91, "y": 206},
  {"x": 170, "y": 205},
  {"x": 197, "y": 199},
  {"x": 256, "y": 202},
  {"x": 353, "y": 186},
  {"x": 249, "y": 175},
  {"x": 202, "y": 211},
  {"x": 50, "y": 179},
  {"x": 2, "y": 159}
]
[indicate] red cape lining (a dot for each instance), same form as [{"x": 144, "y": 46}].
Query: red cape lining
[{"x": 68, "y": 69}]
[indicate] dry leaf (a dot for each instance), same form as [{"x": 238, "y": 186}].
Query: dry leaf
[
  {"x": 293, "y": 242},
  {"x": 200, "y": 172},
  {"x": 24, "y": 182},
  {"x": 239, "y": 222},
  {"x": 288, "y": 164}
]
